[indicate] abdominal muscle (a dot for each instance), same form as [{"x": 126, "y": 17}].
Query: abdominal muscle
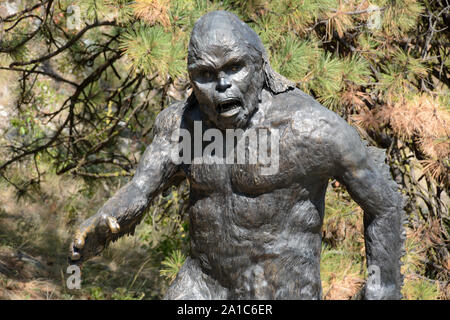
[{"x": 260, "y": 247}]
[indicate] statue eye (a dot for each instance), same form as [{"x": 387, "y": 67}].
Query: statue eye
[
  {"x": 203, "y": 75},
  {"x": 207, "y": 75},
  {"x": 234, "y": 68}
]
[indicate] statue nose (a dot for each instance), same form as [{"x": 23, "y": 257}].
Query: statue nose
[{"x": 223, "y": 84}]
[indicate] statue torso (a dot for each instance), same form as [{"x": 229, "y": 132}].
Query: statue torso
[{"x": 257, "y": 232}]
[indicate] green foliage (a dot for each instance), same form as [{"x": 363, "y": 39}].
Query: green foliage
[
  {"x": 294, "y": 58},
  {"x": 152, "y": 50},
  {"x": 328, "y": 79},
  {"x": 172, "y": 264},
  {"x": 124, "y": 294},
  {"x": 266, "y": 26},
  {"x": 184, "y": 13},
  {"x": 401, "y": 17},
  {"x": 420, "y": 290},
  {"x": 93, "y": 10},
  {"x": 357, "y": 70}
]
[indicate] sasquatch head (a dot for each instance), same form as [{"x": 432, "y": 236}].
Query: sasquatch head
[{"x": 228, "y": 68}]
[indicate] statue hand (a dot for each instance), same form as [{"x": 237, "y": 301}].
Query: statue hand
[{"x": 92, "y": 237}]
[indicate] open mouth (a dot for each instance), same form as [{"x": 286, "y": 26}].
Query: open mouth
[{"x": 229, "y": 108}]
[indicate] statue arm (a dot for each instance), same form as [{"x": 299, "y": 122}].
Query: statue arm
[
  {"x": 122, "y": 212},
  {"x": 363, "y": 171}
]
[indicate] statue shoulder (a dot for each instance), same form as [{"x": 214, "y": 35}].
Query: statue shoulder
[
  {"x": 322, "y": 127},
  {"x": 307, "y": 115},
  {"x": 169, "y": 118}
]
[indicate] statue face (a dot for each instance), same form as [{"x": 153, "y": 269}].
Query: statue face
[
  {"x": 225, "y": 69},
  {"x": 226, "y": 85}
]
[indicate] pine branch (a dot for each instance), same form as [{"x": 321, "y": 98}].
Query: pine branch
[
  {"x": 67, "y": 45},
  {"x": 51, "y": 75}
]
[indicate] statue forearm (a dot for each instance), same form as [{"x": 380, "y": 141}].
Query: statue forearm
[
  {"x": 121, "y": 213},
  {"x": 370, "y": 184},
  {"x": 383, "y": 251},
  {"x": 127, "y": 206}
]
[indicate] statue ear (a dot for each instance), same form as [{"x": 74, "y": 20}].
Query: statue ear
[{"x": 275, "y": 81}]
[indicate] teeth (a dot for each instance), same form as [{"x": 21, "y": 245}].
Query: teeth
[
  {"x": 229, "y": 109},
  {"x": 226, "y": 108},
  {"x": 230, "y": 112}
]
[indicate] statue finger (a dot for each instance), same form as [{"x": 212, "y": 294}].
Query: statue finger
[
  {"x": 113, "y": 224},
  {"x": 80, "y": 239},
  {"x": 75, "y": 256}
]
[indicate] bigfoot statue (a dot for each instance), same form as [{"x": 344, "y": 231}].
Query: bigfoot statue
[{"x": 254, "y": 234}]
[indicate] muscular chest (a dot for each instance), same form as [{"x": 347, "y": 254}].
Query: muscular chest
[
  {"x": 255, "y": 168},
  {"x": 268, "y": 155},
  {"x": 253, "y": 194}
]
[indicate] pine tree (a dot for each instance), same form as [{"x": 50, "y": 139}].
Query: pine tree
[{"x": 87, "y": 95}]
